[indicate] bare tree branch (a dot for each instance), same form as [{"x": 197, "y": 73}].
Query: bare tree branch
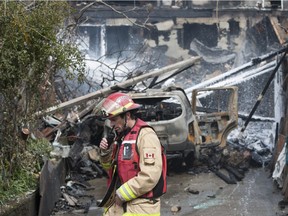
[{"x": 123, "y": 14}]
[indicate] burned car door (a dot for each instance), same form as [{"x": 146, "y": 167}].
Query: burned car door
[{"x": 216, "y": 115}]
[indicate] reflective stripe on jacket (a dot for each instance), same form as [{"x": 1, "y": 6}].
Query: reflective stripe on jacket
[{"x": 137, "y": 175}]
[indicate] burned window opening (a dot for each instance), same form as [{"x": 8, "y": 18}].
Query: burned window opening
[
  {"x": 151, "y": 33},
  {"x": 158, "y": 109},
  {"x": 117, "y": 39},
  {"x": 275, "y": 4},
  {"x": 94, "y": 35},
  {"x": 234, "y": 27},
  {"x": 206, "y": 34},
  {"x": 221, "y": 104}
]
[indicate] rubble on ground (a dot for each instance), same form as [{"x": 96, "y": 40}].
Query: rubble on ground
[{"x": 229, "y": 164}]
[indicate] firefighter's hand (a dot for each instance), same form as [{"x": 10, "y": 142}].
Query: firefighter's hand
[
  {"x": 103, "y": 144},
  {"x": 118, "y": 201}
]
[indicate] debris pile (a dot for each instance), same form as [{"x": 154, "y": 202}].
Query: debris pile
[
  {"x": 239, "y": 155},
  {"x": 77, "y": 146},
  {"x": 74, "y": 198}
]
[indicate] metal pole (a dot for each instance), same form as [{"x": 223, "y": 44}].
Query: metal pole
[{"x": 260, "y": 97}]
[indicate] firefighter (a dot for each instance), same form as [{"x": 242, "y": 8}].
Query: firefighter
[{"x": 136, "y": 158}]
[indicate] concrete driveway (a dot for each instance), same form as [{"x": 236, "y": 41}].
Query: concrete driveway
[{"x": 255, "y": 195}]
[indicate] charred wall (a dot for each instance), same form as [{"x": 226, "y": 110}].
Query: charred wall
[
  {"x": 261, "y": 37},
  {"x": 224, "y": 42}
]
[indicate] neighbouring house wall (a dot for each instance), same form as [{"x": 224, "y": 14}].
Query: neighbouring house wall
[
  {"x": 283, "y": 131},
  {"x": 225, "y": 41}
]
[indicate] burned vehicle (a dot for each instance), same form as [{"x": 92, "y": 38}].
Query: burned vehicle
[
  {"x": 169, "y": 113},
  {"x": 185, "y": 127}
]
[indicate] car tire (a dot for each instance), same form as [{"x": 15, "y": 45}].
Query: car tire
[{"x": 189, "y": 160}]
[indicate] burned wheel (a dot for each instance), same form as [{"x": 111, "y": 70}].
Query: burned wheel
[
  {"x": 175, "y": 164},
  {"x": 189, "y": 160}
]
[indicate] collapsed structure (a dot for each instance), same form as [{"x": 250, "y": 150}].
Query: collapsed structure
[{"x": 209, "y": 128}]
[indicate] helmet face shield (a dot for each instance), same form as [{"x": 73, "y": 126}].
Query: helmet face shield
[
  {"x": 100, "y": 111},
  {"x": 111, "y": 108}
]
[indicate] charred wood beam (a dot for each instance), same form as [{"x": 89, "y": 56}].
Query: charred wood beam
[
  {"x": 155, "y": 82},
  {"x": 130, "y": 82},
  {"x": 227, "y": 179},
  {"x": 235, "y": 172}
]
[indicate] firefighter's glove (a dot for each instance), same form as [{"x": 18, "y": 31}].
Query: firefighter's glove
[{"x": 105, "y": 150}]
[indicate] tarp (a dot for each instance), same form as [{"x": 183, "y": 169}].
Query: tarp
[
  {"x": 279, "y": 166},
  {"x": 52, "y": 177}
]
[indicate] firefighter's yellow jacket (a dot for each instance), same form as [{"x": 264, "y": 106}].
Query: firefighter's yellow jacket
[{"x": 145, "y": 181}]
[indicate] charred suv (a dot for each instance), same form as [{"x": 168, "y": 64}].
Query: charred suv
[
  {"x": 185, "y": 124},
  {"x": 185, "y": 127}
]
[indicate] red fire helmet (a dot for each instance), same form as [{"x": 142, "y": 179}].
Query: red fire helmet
[{"x": 117, "y": 103}]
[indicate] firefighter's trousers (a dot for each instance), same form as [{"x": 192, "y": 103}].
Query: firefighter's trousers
[{"x": 137, "y": 207}]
